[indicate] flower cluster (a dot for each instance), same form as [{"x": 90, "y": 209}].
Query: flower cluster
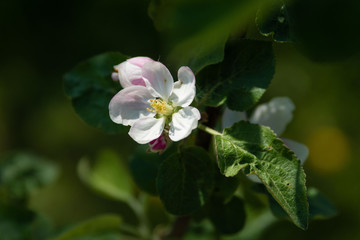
[{"x": 156, "y": 108}]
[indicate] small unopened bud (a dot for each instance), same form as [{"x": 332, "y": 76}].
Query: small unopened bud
[{"x": 158, "y": 145}]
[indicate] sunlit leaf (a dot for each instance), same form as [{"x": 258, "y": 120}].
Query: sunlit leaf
[
  {"x": 319, "y": 206},
  {"x": 258, "y": 150}
]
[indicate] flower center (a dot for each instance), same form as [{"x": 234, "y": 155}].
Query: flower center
[{"x": 160, "y": 106}]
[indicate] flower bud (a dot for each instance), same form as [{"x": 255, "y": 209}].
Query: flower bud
[
  {"x": 130, "y": 72},
  {"x": 158, "y": 145}
]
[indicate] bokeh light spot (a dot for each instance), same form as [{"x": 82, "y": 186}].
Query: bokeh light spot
[{"x": 329, "y": 150}]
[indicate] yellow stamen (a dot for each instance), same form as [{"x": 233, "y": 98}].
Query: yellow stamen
[{"x": 160, "y": 107}]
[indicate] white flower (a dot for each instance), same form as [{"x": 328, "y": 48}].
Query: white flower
[
  {"x": 275, "y": 114},
  {"x": 157, "y": 104}
]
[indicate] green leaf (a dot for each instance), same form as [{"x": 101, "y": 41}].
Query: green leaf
[
  {"x": 196, "y": 34},
  {"x": 19, "y": 223},
  {"x": 225, "y": 187},
  {"x": 90, "y": 87},
  {"x": 21, "y": 174},
  {"x": 322, "y": 35},
  {"x": 107, "y": 176},
  {"x": 274, "y": 21},
  {"x": 99, "y": 225},
  {"x": 256, "y": 225},
  {"x": 257, "y": 149},
  {"x": 241, "y": 79},
  {"x": 144, "y": 169},
  {"x": 319, "y": 206},
  {"x": 156, "y": 213},
  {"x": 185, "y": 180},
  {"x": 228, "y": 218},
  {"x": 144, "y": 166}
]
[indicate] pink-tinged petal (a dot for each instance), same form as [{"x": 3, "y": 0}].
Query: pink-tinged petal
[
  {"x": 300, "y": 150},
  {"x": 130, "y": 104},
  {"x": 147, "y": 129},
  {"x": 275, "y": 114},
  {"x": 139, "y": 61},
  {"x": 159, "y": 144},
  {"x": 158, "y": 78},
  {"x": 184, "y": 89},
  {"x": 230, "y": 117},
  {"x": 130, "y": 73},
  {"x": 183, "y": 122}
]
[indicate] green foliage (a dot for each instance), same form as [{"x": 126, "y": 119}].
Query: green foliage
[
  {"x": 90, "y": 87},
  {"x": 328, "y": 32},
  {"x": 102, "y": 227},
  {"x": 17, "y": 223},
  {"x": 108, "y": 176},
  {"x": 319, "y": 206},
  {"x": 197, "y": 34},
  {"x": 274, "y": 20},
  {"x": 241, "y": 79},
  {"x": 144, "y": 166},
  {"x": 22, "y": 174},
  {"x": 185, "y": 180},
  {"x": 225, "y": 187},
  {"x": 257, "y": 149},
  {"x": 228, "y": 218}
]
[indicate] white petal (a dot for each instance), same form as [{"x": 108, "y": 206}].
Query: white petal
[
  {"x": 130, "y": 73},
  {"x": 300, "y": 150},
  {"x": 158, "y": 77},
  {"x": 147, "y": 129},
  {"x": 184, "y": 89},
  {"x": 230, "y": 117},
  {"x": 183, "y": 122},
  {"x": 275, "y": 114},
  {"x": 130, "y": 104}
]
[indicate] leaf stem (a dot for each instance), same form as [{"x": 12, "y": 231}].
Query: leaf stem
[
  {"x": 137, "y": 207},
  {"x": 208, "y": 130}
]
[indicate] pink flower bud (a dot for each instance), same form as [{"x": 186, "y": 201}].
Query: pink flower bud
[
  {"x": 130, "y": 72},
  {"x": 158, "y": 145}
]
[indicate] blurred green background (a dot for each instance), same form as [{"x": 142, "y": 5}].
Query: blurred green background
[{"x": 41, "y": 40}]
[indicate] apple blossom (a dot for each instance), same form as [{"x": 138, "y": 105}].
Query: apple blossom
[
  {"x": 275, "y": 114},
  {"x": 152, "y": 104}
]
